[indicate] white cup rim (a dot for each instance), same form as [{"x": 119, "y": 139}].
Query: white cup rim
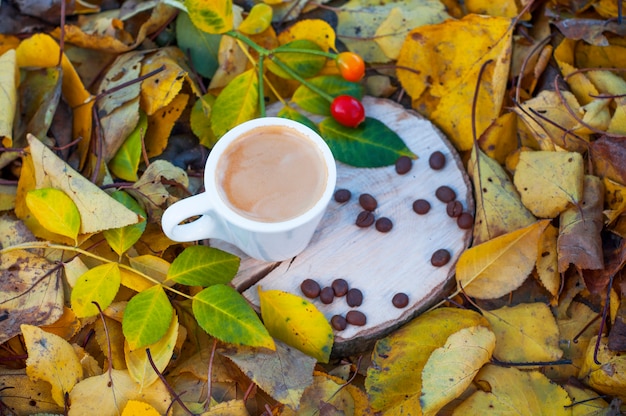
[{"x": 231, "y": 216}]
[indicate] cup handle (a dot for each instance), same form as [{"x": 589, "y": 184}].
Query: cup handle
[{"x": 206, "y": 226}]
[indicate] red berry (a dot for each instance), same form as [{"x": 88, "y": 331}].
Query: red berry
[
  {"x": 351, "y": 66},
  {"x": 347, "y": 110}
]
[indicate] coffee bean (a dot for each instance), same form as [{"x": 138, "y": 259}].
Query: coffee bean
[
  {"x": 465, "y": 221},
  {"x": 440, "y": 257},
  {"x": 445, "y": 194},
  {"x": 400, "y": 300},
  {"x": 368, "y": 202},
  {"x": 437, "y": 160},
  {"x": 338, "y": 322},
  {"x": 356, "y": 318},
  {"x": 354, "y": 297},
  {"x": 454, "y": 209},
  {"x": 403, "y": 165},
  {"x": 327, "y": 295},
  {"x": 384, "y": 224},
  {"x": 364, "y": 219},
  {"x": 342, "y": 195},
  {"x": 421, "y": 206},
  {"x": 340, "y": 287},
  {"x": 310, "y": 288}
]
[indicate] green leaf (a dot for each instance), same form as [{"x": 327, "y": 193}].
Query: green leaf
[
  {"x": 292, "y": 114},
  {"x": 259, "y": 19},
  {"x": 304, "y": 64},
  {"x": 333, "y": 85},
  {"x": 211, "y": 16},
  {"x": 370, "y": 145},
  {"x": 55, "y": 211},
  {"x": 224, "y": 313},
  {"x": 201, "y": 47},
  {"x": 297, "y": 322},
  {"x": 123, "y": 238},
  {"x": 147, "y": 317},
  {"x": 99, "y": 285},
  {"x": 125, "y": 163},
  {"x": 203, "y": 266},
  {"x": 238, "y": 102},
  {"x": 200, "y": 120}
]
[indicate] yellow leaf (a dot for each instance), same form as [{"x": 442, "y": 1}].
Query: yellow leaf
[
  {"x": 110, "y": 339},
  {"x": 501, "y": 265},
  {"x": 550, "y": 122},
  {"x": 34, "y": 395},
  {"x": 52, "y": 359},
  {"x": 508, "y": 391},
  {"x": 160, "y": 89},
  {"x": 259, "y": 19},
  {"x": 500, "y": 139},
  {"x": 9, "y": 80},
  {"x": 98, "y": 211},
  {"x": 106, "y": 394},
  {"x": 451, "y": 368},
  {"x": 447, "y": 59},
  {"x": 211, "y": 16},
  {"x": 525, "y": 333},
  {"x": 153, "y": 266},
  {"x": 609, "y": 376},
  {"x": 228, "y": 408},
  {"x": 315, "y": 30},
  {"x": 547, "y": 267},
  {"x": 137, "y": 408},
  {"x": 579, "y": 83},
  {"x": 506, "y": 8},
  {"x": 296, "y": 322},
  {"x": 55, "y": 211},
  {"x": 139, "y": 366},
  {"x": 499, "y": 209},
  {"x": 394, "y": 382},
  {"x": 549, "y": 182},
  {"x": 100, "y": 284},
  {"x": 587, "y": 401},
  {"x": 66, "y": 326},
  {"x": 161, "y": 123}
]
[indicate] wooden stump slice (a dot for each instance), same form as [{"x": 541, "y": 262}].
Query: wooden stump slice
[{"x": 379, "y": 264}]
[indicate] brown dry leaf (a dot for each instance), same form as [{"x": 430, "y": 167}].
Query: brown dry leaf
[
  {"x": 106, "y": 394},
  {"x": 510, "y": 391},
  {"x": 153, "y": 189},
  {"x": 609, "y": 158},
  {"x": 499, "y": 266},
  {"x": 609, "y": 376},
  {"x": 448, "y": 57},
  {"x": 499, "y": 209},
  {"x": 617, "y": 334},
  {"x": 525, "y": 333},
  {"x": 111, "y": 336},
  {"x": 549, "y": 182},
  {"x": 30, "y": 292},
  {"x": 284, "y": 374},
  {"x": 52, "y": 359},
  {"x": 98, "y": 211},
  {"x": 66, "y": 326},
  {"x": 119, "y": 111},
  {"x": 105, "y": 31},
  {"x": 590, "y": 30},
  {"x": 547, "y": 262},
  {"x": 25, "y": 396},
  {"x": 579, "y": 241}
]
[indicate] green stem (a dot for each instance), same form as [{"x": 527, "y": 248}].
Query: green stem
[
  {"x": 261, "y": 92},
  {"x": 48, "y": 245},
  {"x": 329, "y": 55},
  {"x": 270, "y": 54},
  {"x": 298, "y": 78}
]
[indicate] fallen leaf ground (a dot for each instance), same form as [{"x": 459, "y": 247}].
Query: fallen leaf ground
[{"x": 107, "y": 119}]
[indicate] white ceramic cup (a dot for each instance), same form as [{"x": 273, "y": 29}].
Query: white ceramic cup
[{"x": 268, "y": 241}]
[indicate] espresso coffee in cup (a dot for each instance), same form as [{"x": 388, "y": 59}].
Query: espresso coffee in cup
[{"x": 271, "y": 174}]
